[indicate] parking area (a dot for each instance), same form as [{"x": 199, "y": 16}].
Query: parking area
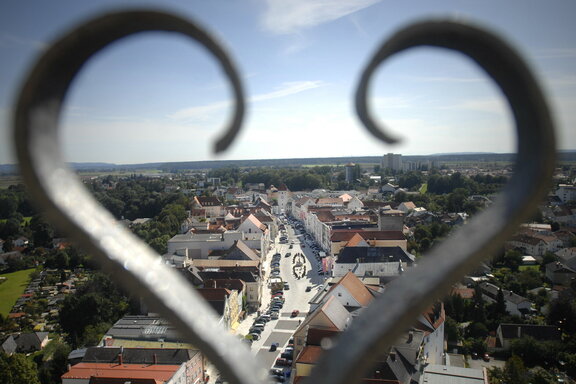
[
  {"x": 287, "y": 324},
  {"x": 264, "y": 355},
  {"x": 479, "y": 364}
]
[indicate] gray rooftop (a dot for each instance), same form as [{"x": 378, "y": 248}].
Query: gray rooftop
[{"x": 443, "y": 374}]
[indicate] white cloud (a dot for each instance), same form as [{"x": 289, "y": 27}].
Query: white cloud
[
  {"x": 288, "y": 88},
  {"x": 204, "y": 112},
  {"x": 290, "y": 16},
  {"x": 496, "y": 106}
]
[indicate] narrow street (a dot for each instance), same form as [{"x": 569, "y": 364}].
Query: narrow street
[{"x": 299, "y": 270}]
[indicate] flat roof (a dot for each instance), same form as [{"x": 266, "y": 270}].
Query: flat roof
[{"x": 443, "y": 374}]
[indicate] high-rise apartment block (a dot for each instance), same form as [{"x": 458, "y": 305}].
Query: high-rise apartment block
[{"x": 392, "y": 161}]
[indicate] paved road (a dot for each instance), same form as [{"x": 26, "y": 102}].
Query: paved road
[
  {"x": 296, "y": 298},
  {"x": 281, "y": 330}
]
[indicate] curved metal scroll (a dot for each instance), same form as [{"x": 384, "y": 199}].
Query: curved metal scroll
[
  {"x": 68, "y": 205},
  {"x": 405, "y": 298}
]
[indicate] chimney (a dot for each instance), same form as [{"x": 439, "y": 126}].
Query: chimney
[
  {"x": 410, "y": 337},
  {"x": 393, "y": 355},
  {"x": 120, "y": 358},
  {"x": 155, "y": 357}
]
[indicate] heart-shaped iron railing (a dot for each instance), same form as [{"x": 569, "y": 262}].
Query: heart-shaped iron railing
[
  {"x": 67, "y": 204},
  {"x": 386, "y": 318}
]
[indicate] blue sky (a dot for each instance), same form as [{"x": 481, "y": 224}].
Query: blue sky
[{"x": 159, "y": 97}]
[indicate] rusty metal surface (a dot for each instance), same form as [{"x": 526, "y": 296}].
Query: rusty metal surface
[{"x": 70, "y": 208}]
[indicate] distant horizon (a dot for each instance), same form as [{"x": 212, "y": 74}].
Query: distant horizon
[{"x": 288, "y": 158}]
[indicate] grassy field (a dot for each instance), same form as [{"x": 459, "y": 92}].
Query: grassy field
[
  {"x": 423, "y": 189},
  {"x": 12, "y": 288}
]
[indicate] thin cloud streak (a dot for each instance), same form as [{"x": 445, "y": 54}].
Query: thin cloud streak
[
  {"x": 285, "y": 17},
  {"x": 7, "y": 40},
  {"x": 286, "y": 89}
]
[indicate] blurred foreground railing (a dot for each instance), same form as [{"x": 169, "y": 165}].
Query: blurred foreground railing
[{"x": 58, "y": 192}]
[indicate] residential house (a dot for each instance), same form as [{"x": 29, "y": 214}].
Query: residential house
[
  {"x": 441, "y": 374},
  {"x": 143, "y": 331},
  {"x": 227, "y": 304},
  {"x": 331, "y": 316},
  {"x": 516, "y": 305},
  {"x": 348, "y": 290},
  {"x": 566, "y": 192},
  {"x": 252, "y": 292},
  {"x": 342, "y": 238},
  {"x": 387, "y": 263},
  {"x": 390, "y": 220},
  {"x": 534, "y": 243},
  {"x": 566, "y": 254},
  {"x": 123, "y": 365},
  {"x": 406, "y": 207},
  {"x": 211, "y": 205},
  {"x": 561, "y": 273},
  {"x": 431, "y": 322},
  {"x": 183, "y": 248},
  {"x": 25, "y": 342},
  {"x": 507, "y": 333}
]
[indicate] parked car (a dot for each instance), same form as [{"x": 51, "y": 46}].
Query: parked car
[
  {"x": 295, "y": 313},
  {"x": 486, "y": 357},
  {"x": 287, "y": 355},
  {"x": 274, "y": 315},
  {"x": 273, "y": 347},
  {"x": 255, "y": 336},
  {"x": 308, "y": 288},
  {"x": 283, "y": 362}
]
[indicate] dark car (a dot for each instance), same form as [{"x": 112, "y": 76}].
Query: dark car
[
  {"x": 308, "y": 288},
  {"x": 287, "y": 355},
  {"x": 281, "y": 362},
  {"x": 273, "y": 347}
]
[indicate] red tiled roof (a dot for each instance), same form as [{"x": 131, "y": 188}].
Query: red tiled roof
[
  {"x": 309, "y": 355},
  {"x": 161, "y": 373},
  {"x": 355, "y": 240},
  {"x": 214, "y": 294},
  {"x": 356, "y": 288},
  {"x": 347, "y": 234}
]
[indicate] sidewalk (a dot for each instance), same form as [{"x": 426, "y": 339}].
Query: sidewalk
[{"x": 245, "y": 324}]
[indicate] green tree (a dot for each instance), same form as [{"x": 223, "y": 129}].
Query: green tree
[
  {"x": 17, "y": 369},
  {"x": 451, "y": 330},
  {"x": 515, "y": 371}
]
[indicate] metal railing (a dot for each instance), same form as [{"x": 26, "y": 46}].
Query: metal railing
[{"x": 59, "y": 193}]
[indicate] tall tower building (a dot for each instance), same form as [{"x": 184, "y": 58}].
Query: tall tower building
[
  {"x": 350, "y": 172},
  {"x": 392, "y": 161}
]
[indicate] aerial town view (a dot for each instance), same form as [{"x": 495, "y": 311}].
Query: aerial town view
[
  {"x": 208, "y": 193},
  {"x": 287, "y": 257}
]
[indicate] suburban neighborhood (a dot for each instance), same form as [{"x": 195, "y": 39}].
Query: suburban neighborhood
[{"x": 287, "y": 261}]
